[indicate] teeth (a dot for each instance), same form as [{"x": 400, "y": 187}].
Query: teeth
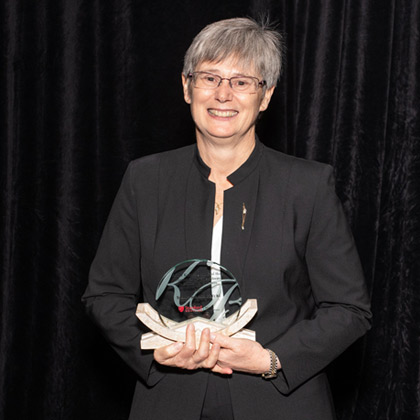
[{"x": 222, "y": 113}]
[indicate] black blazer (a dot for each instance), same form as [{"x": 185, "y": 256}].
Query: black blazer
[{"x": 295, "y": 255}]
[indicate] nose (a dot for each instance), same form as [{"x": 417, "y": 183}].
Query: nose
[{"x": 223, "y": 92}]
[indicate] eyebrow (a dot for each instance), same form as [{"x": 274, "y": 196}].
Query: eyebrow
[{"x": 217, "y": 73}]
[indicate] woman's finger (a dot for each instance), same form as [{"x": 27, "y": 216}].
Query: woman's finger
[
  {"x": 163, "y": 354},
  {"x": 212, "y": 357},
  {"x": 203, "y": 350}
]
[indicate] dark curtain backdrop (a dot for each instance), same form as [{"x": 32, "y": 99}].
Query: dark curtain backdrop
[{"x": 88, "y": 85}]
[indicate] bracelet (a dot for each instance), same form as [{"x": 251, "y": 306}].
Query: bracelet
[{"x": 272, "y": 373}]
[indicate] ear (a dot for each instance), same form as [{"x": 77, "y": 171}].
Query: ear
[
  {"x": 266, "y": 99},
  {"x": 186, "y": 88}
]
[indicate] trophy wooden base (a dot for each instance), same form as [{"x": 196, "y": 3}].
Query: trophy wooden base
[{"x": 166, "y": 331}]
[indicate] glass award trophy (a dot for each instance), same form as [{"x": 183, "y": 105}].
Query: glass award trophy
[{"x": 196, "y": 291}]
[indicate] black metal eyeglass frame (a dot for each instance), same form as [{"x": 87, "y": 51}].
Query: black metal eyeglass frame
[{"x": 261, "y": 83}]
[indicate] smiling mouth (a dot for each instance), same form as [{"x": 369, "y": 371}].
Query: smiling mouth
[{"x": 218, "y": 113}]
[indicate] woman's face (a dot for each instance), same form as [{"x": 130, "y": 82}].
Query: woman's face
[{"x": 222, "y": 114}]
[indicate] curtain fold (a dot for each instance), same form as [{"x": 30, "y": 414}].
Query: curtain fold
[{"x": 88, "y": 85}]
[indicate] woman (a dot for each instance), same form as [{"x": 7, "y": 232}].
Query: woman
[{"x": 282, "y": 232}]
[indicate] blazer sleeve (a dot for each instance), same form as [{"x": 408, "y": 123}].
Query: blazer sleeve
[
  {"x": 342, "y": 303},
  {"x": 113, "y": 290}
]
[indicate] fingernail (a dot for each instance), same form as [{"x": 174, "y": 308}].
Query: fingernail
[{"x": 212, "y": 337}]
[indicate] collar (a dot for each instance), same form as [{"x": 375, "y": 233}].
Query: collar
[{"x": 242, "y": 172}]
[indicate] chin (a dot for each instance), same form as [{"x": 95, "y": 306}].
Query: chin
[
  {"x": 221, "y": 137},
  {"x": 222, "y": 133}
]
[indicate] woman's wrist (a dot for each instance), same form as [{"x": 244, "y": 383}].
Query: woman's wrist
[
  {"x": 278, "y": 364},
  {"x": 274, "y": 366}
]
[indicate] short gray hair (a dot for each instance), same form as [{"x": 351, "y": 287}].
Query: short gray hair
[{"x": 251, "y": 43}]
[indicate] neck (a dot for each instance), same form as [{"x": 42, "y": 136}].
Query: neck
[{"x": 225, "y": 156}]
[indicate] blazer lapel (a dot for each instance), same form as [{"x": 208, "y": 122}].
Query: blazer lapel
[
  {"x": 199, "y": 206},
  {"x": 238, "y": 219}
]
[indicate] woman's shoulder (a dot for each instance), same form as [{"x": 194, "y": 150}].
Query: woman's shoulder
[
  {"x": 301, "y": 180},
  {"x": 168, "y": 159},
  {"x": 295, "y": 166}
]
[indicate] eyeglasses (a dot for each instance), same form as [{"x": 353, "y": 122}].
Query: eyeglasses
[{"x": 240, "y": 84}]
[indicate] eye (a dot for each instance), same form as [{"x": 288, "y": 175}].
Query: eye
[
  {"x": 242, "y": 82},
  {"x": 209, "y": 79}
]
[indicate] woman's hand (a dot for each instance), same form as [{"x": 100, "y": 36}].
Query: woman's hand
[
  {"x": 242, "y": 354},
  {"x": 187, "y": 356}
]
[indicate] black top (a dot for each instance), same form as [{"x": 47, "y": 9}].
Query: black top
[{"x": 295, "y": 255}]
